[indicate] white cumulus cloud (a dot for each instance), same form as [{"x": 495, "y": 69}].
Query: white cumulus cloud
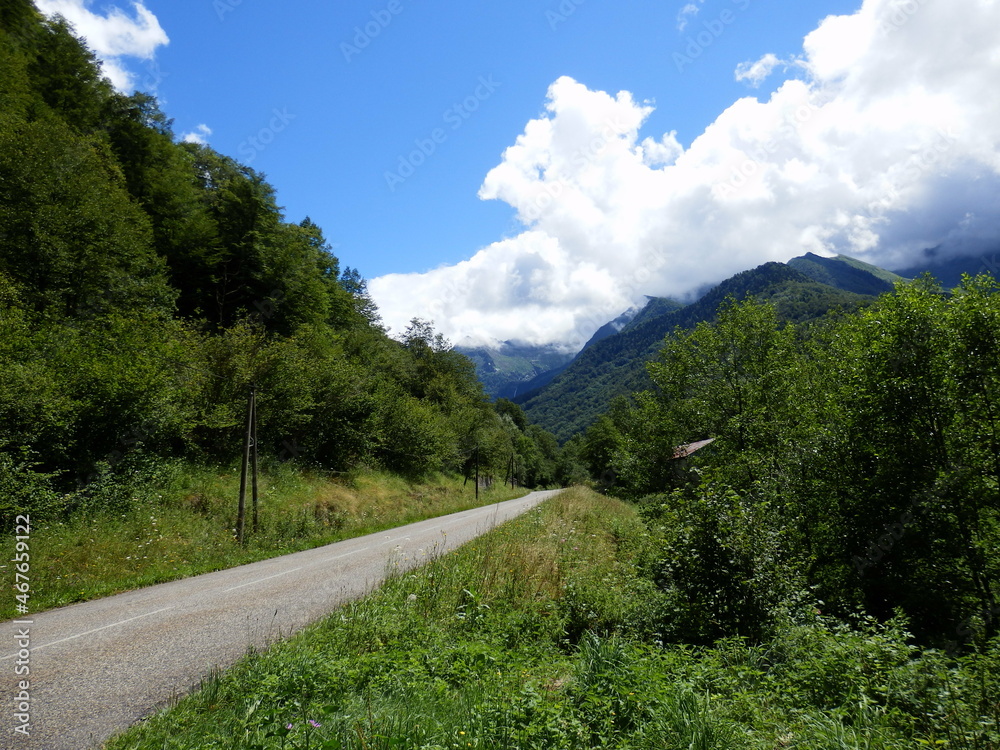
[
  {"x": 886, "y": 146},
  {"x": 114, "y": 36},
  {"x": 199, "y": 135},
  {"x": 758, "y": 71}
]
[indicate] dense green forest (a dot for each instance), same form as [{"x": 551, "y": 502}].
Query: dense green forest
[
  {"x": 856, "y": 463},
  {"x": 146, "y": 284}
]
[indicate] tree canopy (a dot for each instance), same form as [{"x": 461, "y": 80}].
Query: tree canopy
[{"x": 856, "y": 459}]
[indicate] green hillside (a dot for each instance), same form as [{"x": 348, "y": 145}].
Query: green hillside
[
  {"x": 846, "y": 273},
  {"x": 654, "y": 308}
]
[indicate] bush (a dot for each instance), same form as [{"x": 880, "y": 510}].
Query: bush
[
  {"x": 25, "y": 491},
  {"x": 720, "y": 564}
]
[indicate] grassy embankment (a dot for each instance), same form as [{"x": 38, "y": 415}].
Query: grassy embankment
[
  {"x": 183, "y": 525},
  {"x": 543, "y": 634}
]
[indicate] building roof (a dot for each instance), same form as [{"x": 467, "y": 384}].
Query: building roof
[{"x": 684, "y": 451}]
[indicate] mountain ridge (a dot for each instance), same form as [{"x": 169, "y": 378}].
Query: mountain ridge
[
  {"x": 615, "y": 365},
  {"x": 566, "y": 397},
  {"x": 510, "y": 369},
  {"x": 844, "y": 272},
  {"x": 504, "y": 367}
]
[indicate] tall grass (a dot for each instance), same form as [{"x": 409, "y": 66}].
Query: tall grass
[{"x": 180, "y": 521}]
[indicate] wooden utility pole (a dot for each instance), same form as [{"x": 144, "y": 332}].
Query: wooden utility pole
[
  {"x": 253, "y": 442},
  {"x": 241, "y": 513}
]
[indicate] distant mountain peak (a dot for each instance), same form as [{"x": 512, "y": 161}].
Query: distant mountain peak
[
  {"x": 506, "y": 366},
  {"x": 846, "y": 273},
  {"x": 615, "y": 326}
]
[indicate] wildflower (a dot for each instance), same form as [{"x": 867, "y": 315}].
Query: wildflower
[
  {"x": 314, "y": 723},
  {"x": 289, "y": 726}
]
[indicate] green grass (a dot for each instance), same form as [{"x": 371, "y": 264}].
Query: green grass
[
  {"x": 543, "y": 634},
  {"x": 182, "y": 523}
]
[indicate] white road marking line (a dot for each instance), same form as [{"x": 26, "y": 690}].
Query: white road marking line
[
  {"x": 294, "y": 570},
  {"x": 348, "y": 554},
  {"x": 91, "y": 632},
  {"x": 394, "y": 539},
  {"x": 261, "y": 580}
]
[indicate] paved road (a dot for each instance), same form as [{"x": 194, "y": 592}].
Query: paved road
[{"x": 99, "y": 667}]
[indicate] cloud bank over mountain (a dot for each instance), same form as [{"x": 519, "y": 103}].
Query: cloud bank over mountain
[{"x": 883, "y": 140}]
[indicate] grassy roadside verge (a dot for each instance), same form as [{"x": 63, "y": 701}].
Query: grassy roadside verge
[
  {"x": 417, "y": 659},
  {"x": 542, "y": 634},
  {"x": 182, "y": 524}
]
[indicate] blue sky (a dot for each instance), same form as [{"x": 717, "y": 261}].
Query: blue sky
[
  {"x": 229, "y": 68},
  {"x": 330, "y": 99}
]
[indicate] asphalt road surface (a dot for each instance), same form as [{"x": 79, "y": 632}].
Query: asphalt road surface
[{"x": 98, "y": 667}]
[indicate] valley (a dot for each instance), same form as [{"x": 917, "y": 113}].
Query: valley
[{"x": 759, "y": 509}]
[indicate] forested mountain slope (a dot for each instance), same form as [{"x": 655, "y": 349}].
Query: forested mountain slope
[
  {"x": 846, "y": 273},
  {"x": 616, "y": 365}
]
